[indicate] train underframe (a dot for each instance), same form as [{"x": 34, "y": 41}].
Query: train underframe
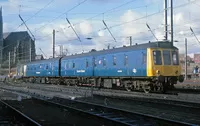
[{"x": 150, "y": 84}]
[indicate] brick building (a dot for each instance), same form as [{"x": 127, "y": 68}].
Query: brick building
[{"x": 182, "y": 58}]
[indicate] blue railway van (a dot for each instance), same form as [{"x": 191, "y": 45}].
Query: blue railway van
[
  {"x": 43, "y": 68},
  {"x": 150, "y": 66}
]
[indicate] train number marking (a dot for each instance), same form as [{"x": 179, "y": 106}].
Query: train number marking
[
  {"x": 37, "y": 72},
  {"x": 80, "y": 71},
  {"x": 119, "y": 71}
]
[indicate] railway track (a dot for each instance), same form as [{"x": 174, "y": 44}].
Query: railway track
[
  {"x": 175, "y": 91},
  {"x": 88, "y": 91},
  {"x": 187, "y": 90},
  {"x": 175, "y": 110},
  {"x": 107, "y": 115},
  {"x": 11, "y": 116},
  {"x": 190, "y": 107},
  {"x": 48, "y": 113}
]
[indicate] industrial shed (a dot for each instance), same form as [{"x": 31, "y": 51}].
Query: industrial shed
[{"x": 18, "y": 44}]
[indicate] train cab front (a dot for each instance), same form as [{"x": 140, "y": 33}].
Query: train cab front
[{"x": 164, "y": 67}]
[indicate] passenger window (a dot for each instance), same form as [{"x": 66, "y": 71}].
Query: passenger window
[
  {"x": 94, "y": 62},
  {"x": 125, "y": 60},
  {"x": 73, "y": 65},
  {"x": 104, "y": 61},
  {"x": 175, "y": 58},
  {"x": 167, "y": 57},
  {"x": 144, "y": 56},
  {"x": 66, "y": 65},
  {"x": 47, "y": 66},
  {"x": 157, "y": 57},
  {"x": 87, "y": 64},
  {"x": 114, "y": 60}
]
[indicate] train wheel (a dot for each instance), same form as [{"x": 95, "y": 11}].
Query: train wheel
[
  {"x": 147, "y": 88},
  {"x": 161, "y": 88},
  {"x": 128, "y": 86}
]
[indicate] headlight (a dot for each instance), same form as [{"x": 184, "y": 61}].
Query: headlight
[{"x": 157, "y": 71}]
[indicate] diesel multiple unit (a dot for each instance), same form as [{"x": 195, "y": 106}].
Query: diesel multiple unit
[{"x": 150, "y": 66}]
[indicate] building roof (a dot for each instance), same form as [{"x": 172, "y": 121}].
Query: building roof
[
  {"x": 5, "y": 35},
  {"x": 19, "y": 35},
  {"x": 44, "y": 61}
]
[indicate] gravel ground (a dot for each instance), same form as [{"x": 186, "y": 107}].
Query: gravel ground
[
  {"x": 44, "y": 113},
  {"x": 176, "y": 113},
  {"x": 48, "y": 115},
  {"x": 189, "y": 84},
  {"x": 188, "y": 115},
  {"x": 73, "y": 92},
  {"x": 7, "y": 118},
  {"x": 4, "y": 95}
]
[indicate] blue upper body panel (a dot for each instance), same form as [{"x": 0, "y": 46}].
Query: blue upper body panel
[
  {"x": 123, "y": 63},
  {"x": 77, "y": 67},
  {"x": 131, "y": 63},
  {"x": 43, "y": 68}
]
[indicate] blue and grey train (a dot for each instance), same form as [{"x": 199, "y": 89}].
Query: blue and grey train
[{"x": 150, "y": 66}]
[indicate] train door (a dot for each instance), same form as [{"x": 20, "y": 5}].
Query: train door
[
  {"x": 154, "y": 62},
  {"x": 126, "y": 69},
  {"x": 144, "y": 64},
  {"x": 167, "y": 68},
  {"x": 158, "y": 62},
  {"x": 93, "y": 66},
  {"x": 52, "y": 68}
]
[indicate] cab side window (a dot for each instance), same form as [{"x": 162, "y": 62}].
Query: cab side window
[
  {"x": 86, "y": 64},
  {"x": 125, "y": 60},
  {"x": 167, "y": 57},
  {"x": 175, "y": 58},
  {"x": 144, "y": 58},
  {"x": 104, "y": 61},
  {"x": 157, "y": 57},
  {"x": 73, "y": 66},
  {"x": 114, "y": 61}
]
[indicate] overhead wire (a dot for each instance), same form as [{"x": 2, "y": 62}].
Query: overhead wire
[
  {"x": 107, "y": 11},
  {"x": 27, "y": 20},
  {"x": 40, "y": 10},
  {"x": 143, "y": 17},
  {"x": 114, "y": 25},
  {"x": 61, "y": 14}
]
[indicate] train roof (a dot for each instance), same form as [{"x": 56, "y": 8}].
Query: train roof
[
  {"x": 43, "y": 61},
  {"x": 158, "y": 44}
]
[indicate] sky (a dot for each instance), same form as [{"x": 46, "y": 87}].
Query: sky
[{"x": 124, "y": 18}]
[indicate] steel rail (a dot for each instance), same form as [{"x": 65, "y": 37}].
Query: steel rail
[
  {"x": 112, "y": 114},
  {"x": 20, "y": 116}
]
